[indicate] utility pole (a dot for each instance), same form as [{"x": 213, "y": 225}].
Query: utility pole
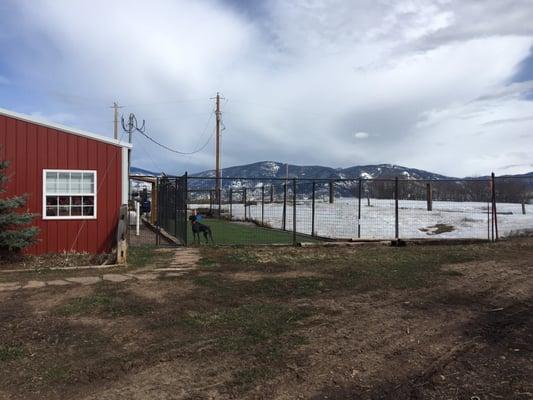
[
  {"x": 131, "y": 126},
  {"x": 217, "y": 162},
  {"x": 115, "y": 106}
]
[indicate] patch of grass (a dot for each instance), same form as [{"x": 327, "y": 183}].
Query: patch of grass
[
  {"x": 438, "y": 229},
  {"x": 262, "y": 335},
  {"x": 223, "y": 288},
  {"x": 85, "y": 305},
  {"x": 337, "y": 258},
  {"x": 235, "y": 233},
  {"x": 415, "y": 267},
  {"x": 210, "y": 281},
  {"x": 452, "y": 273},
  {"x": 271, "y": 259},
  {"x": 56, "y": 374},
  {"x": 105, "y": 302},
  {"x": 207, "y": 262},
  {"x": 244, "y": 327},
  {"x": 148, "y": 254},
  {"x": 10, "y": 353},
  {"x": 241, "y": 257},
  {"x": 247, "y": 376},
  {"x": 295, "y": 287},
  {"x": 341, "y": 268}
]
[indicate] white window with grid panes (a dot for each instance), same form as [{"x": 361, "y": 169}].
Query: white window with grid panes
[{"x": 69, "y": 194}]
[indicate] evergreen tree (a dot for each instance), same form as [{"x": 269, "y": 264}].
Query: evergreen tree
[{"x": 15, "y": 234}]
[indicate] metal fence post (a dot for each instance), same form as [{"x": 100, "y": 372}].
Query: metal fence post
[
  {"x": 158, "y": 227},
  {"x": 244, "y": 201},
  {"x": 491, "y": 212},
  {"x": 359, "y": 208},
  {"x": 313, "y": 211},
  {"x": 271, "y": 193},
  {"x": 397, "y": 222},
  {"x": 494, "y": 210},
  {"x": 284, "y": 222},
  {"x": 219, "y": 196},
  {"x": 294, "y": 211},
  {"x": 488, "y": 215},
  {"x": 262, "y": 205},
  {"x": 429, "y": 196},
  {"x": 176, "y": 207},
  {"x": 185, "y": 200},
  {"x": 331, "y": 193},
  {"x": 231, "y": 203}
]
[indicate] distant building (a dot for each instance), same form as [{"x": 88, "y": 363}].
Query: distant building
[{"x": 74, "y": 180}]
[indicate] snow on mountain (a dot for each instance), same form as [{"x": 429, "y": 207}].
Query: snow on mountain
[
  {"x": 142, "y": 172},
  {"x": 264, "y": 171},
  {"x": 273, "y": 169}
]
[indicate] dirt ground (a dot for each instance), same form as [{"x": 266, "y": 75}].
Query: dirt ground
[{"x": 426, "y": 322}]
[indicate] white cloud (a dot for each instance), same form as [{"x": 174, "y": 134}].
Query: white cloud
[
  {"x": 60, "y": 118},
  {"x": 421, "y": 76},
  {"x": 361, "y": 135}
]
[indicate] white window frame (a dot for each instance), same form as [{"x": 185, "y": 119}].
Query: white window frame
[{"x": 70, "y": 217}]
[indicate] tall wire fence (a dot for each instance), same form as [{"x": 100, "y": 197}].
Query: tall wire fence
[{"x": 288, "y": 211}]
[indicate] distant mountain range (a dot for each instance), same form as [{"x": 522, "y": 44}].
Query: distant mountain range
[
  {"x": 142, "y": 172},
  {"x": 274, "y": 169},
  {"x": 263, "y": 173}
]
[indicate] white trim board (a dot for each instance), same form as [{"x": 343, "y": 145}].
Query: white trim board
[
  {"x": 125, "y": 175},
  {"x": 53, "y": 125}
]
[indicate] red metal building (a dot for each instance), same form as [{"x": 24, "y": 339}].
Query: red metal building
[{"x": 75, "y": 181}]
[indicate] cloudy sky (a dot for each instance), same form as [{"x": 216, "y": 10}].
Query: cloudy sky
[{"x": 444, "y": 85}]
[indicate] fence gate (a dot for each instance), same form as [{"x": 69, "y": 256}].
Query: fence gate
[{"x": 172, "y": 206}]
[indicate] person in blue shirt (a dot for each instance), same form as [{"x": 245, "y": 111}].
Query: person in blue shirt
[{"x": 197, "y": 216}]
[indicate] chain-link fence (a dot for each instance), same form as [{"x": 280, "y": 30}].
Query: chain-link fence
[
  {"x": 288, "y": 211},
  {"x": 247, "y": 211},
  {"x": 158, "y": 210}
]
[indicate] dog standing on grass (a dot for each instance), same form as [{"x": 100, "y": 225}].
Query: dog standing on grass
[{"x": 198, "y": 227}]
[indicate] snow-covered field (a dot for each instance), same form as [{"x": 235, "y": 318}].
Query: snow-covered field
[{"x": 339, "y": 220}]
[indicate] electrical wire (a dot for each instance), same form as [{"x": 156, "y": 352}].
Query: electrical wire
[
  {"x": 174, "y": 150},
  {"x": 178, "y": 151},
  {"x": 156, "y": 166},
  {"x": 206, "y": 126}
]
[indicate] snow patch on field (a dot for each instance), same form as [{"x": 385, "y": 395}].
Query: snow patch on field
[{"x": 340, "y": 220}]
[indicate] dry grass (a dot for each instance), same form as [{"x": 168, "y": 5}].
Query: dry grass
[{"x": 335, "y": 322}]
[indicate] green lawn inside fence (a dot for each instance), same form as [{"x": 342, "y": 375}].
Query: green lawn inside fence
[{"x": 239, "y": 233}]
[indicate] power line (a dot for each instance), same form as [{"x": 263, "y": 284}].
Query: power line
[
  {"x": 132, "y": 126},
  {"x": 206, "y": 126},
  {"x": 174, "y": 150},
  {"x": 156, "y": 165},
  {"x": 147, "y": 136}
]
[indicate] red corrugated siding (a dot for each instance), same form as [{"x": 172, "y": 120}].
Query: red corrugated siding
[{"x": 30, "y": 148}]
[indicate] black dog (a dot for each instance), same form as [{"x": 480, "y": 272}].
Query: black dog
[{"x": 198, "y": 228}]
